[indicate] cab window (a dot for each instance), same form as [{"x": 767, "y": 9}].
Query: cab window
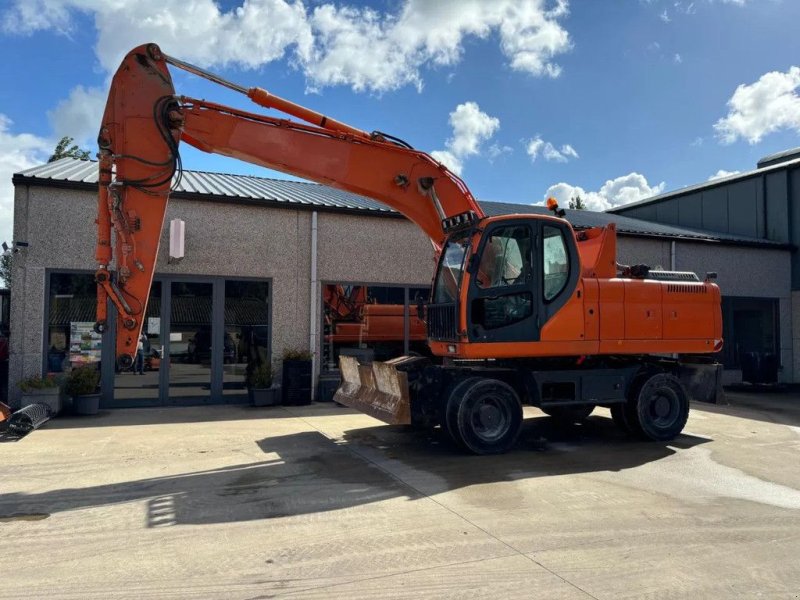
[
  {"x": 506, "y": 258},
  {"x": 555, "y": 269}
]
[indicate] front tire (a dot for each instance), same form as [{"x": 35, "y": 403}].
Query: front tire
[{"x": 484, "y": 415}]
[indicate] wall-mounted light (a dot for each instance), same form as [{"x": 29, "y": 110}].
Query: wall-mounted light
[
  {"x": 15, "y": 246},
  {"x": 177, "y": 237}
]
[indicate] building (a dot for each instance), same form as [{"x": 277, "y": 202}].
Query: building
[
  {"x": 276, "y": 265},
  {"x": 762, "y": 204}
]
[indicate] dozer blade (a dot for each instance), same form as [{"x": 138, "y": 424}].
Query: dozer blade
[{"x": 380, "y": 389}]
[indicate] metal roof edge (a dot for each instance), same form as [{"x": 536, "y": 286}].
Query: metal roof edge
[
  {"x": 18, "y": 178},
  {"x": 703, "y": 186},
  {"x": 689, "y": 236}
]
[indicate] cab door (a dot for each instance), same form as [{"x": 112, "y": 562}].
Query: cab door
[
  {"x": 502, "y": 301},
  {"x": 525, "y": 270}
]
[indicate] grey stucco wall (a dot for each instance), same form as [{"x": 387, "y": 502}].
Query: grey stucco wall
[
  {"x": 373, "y": 250},
  {"x": 750, "y": 272},
  {"x": 235, "y": 240},
  {"x": 222, "y": 239}
]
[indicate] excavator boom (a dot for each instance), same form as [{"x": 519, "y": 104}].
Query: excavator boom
[{"x": 142, "y": 126}]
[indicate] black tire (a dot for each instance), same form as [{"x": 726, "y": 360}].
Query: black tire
[
  {"x": 619, "y": 413},
  {"x": 660, "y": 408},
  {"x": 450, "y": 417},
  {"x": 569, "y": 414},
  {"x": 488, "y": 415}
]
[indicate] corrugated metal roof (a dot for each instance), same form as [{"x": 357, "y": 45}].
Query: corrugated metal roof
[{"x": 298, "y": 193}]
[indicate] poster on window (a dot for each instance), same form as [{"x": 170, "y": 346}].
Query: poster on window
[{"x": 84, "y": 343}]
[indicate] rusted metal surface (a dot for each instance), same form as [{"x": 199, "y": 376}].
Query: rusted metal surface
[{"x": 379, "y": 390}]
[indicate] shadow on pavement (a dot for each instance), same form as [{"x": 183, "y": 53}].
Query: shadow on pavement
[
  {"x": 308, "y": 472},
  {"x": 771, "y": 405},
  {"x": 148, "y": 415}
]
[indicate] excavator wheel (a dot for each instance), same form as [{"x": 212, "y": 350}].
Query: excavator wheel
[
  {"x": 619, "y": 413},
  {"x": 450, "y": 419},
  {"x": 569, "y": 414},
  {"x": 659, "y": 408},
  {"x": 484, "y": 416}
]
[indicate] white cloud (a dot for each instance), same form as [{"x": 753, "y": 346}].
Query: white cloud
[
  {"x": 79, "y": 115},
  {"x": 664, "y": 16},
  {"x": 614, "y": 192},
  {"x": 761, "y": 108},
  {"x": 548, "y": 151},
  {"x": 17, "y": 152},
  {"x": 697, "y": 142},
  {"x": 677, "y": 59},
  {"x": 471, "y": 127},
  {"x": 495, "y": 151},
  {"x": 449, "y": 160},
  {"x": 329, "y": 43},
  {"x": 722, "y": 173}
]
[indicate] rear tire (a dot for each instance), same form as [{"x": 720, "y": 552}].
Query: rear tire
[
  {"x": 660, "y": 408},
  {"x": 569, "y": 414},
  {"x": 484, "y": 415}
]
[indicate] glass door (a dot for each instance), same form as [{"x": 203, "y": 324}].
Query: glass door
[
  {"x": 190, "y": 347},
  {"x": 139, "y": 385}
]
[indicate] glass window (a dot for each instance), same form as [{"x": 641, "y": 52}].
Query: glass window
[
  {"x": 138, "y": 385},
  {"x": 505, "y": 260},
  {"x": 491, "y": 313},
  {"x": 246, "y": 339},
  {"x": 448, "y": 279},
  {"x": 71, "y": 339},
  {"x": 556, "y": 263},
  {"x": 369, "y": 322}
]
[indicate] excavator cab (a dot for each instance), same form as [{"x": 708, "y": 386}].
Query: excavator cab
[{"x": 501, "y": 281}]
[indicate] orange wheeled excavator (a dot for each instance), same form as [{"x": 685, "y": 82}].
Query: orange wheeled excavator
[{"x": 523, "y": 309}]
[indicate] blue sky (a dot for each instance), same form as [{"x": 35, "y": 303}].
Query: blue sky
[{"x": 614, "y": 100}]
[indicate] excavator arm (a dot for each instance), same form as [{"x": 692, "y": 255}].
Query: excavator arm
[{"x": 139, "y": 163}]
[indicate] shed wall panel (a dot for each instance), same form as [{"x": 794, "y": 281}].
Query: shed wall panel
[
  {"x": 690, "y": 211},
  {"x": 777, "y": 207},
  {"x": 715, "y": 209}
]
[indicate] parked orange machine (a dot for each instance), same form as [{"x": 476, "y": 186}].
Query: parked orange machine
[
  {"x": 353, "y": 318},
  {"x": 523, "y": 309}
]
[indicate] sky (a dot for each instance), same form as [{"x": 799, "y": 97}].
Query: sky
[{"x": 612, "y": 100}]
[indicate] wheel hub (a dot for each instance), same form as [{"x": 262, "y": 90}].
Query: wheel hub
[
  {"x": 661, "y": 407},
  {"x": 489, "y": 416}
]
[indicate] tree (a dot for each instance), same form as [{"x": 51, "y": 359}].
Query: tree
[
  {"x": 64, "y": 150},
  {"x": 5, "y": 269},
  {"x": 576, "y": 203}
]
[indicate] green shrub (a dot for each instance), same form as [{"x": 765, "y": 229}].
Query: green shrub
[
  {"x": 82, "y": 381},
  {"x": 36, "y": 382},
  {"x": 291, "y": 354},
  {"x": 260, "y": 377}
]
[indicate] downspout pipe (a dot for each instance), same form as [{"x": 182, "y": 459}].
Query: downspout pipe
[
  {"x": 313, "y": 341},
  {"x": 672, "y": 265}
]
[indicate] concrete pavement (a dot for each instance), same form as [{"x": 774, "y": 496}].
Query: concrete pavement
[{"x": 322, "y": 502}]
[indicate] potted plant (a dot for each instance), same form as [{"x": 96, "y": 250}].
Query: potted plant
[
  {"x": 41, "y": 390},
  {"x": 259, "y": 384},
  {"x": 82, "y": 385},
  {"x": 296, "y": 384}
]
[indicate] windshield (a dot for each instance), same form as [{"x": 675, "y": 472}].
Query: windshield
[{"x": 448, "y": 279}]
